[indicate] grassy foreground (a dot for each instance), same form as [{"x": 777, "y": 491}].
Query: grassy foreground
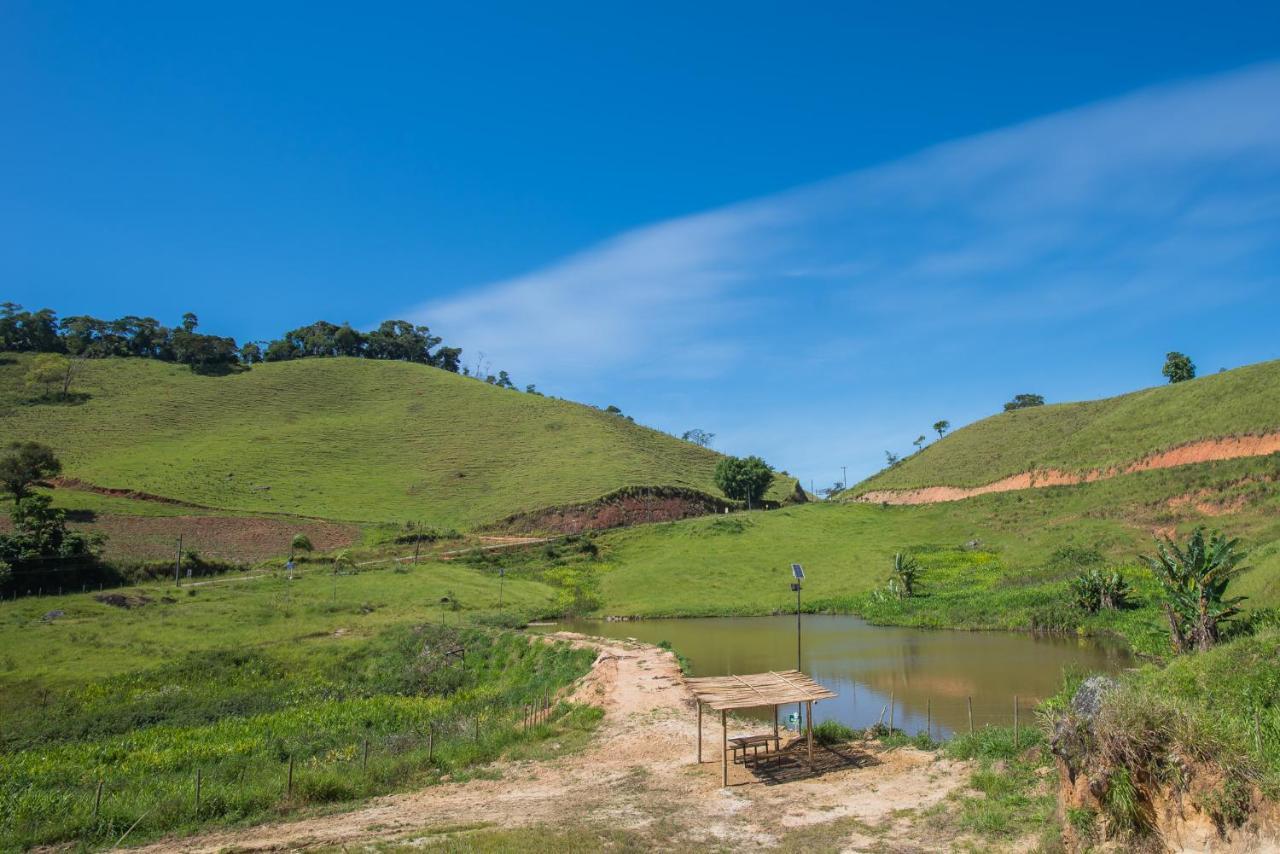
[
  {"x": 344, "y": 439},
  {"x": 239, "y": 679},
  {"x": 1094, "y": 434}
]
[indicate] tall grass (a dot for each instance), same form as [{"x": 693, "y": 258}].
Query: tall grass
[{"x": 413, "y": 705}]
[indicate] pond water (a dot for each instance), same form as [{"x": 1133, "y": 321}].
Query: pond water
[{"x": 931, "y": 674}]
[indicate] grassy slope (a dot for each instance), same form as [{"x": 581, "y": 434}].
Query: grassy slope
[
  {"x": 344, "y": 439},
  {"x": 1095, "y": 434},
  {"x": 739, "y": 563}
]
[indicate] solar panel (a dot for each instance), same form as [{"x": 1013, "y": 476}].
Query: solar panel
[{"x": 798, "y": 571}]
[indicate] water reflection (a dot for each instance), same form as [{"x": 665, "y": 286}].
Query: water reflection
[{"x": 930, "y": 674}]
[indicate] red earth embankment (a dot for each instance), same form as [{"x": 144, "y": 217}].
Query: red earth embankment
[{"x": 1204, "y": 451}]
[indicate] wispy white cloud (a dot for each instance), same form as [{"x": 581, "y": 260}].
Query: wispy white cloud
[
  {"x": 1161, "y": 201},
  {"x": 1069, "y": 214}
]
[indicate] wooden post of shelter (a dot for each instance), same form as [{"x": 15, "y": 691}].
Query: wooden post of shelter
[
  {"x": 724, "y": 744},
  {"x": 808, "y": 718},
  {"x": 699, "y": 732}
]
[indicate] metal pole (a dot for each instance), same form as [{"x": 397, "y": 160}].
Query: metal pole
[
  {"x": 799, "y": 706},
  {"x": 724, "y": 744}
]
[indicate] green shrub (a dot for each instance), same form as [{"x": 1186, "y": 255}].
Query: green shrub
[{"x": 832, "y": 732}]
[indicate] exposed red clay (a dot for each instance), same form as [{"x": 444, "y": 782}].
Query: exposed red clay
[{"x": 1204, "y": 451}]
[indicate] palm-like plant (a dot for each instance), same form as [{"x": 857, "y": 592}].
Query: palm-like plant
[
  {"x": 905, "y": 576},
  {"x": 1194, "y": 578},
  {"x": 1098, "y": 590}
]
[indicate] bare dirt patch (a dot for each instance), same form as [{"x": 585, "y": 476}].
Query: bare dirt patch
[
  {"x": 640, "y": 775},
  {"x": 239, "y": 539},
  {"x": 1208, "y": 450},
  {"x": 120, "y": 600}
]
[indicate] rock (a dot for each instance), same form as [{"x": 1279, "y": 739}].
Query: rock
[
  {"x": 52, "y": 615},
  {"x": 1087, "y": 701}
]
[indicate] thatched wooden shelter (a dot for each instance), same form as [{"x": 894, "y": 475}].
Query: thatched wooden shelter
[{"x": 756, "y": 690}]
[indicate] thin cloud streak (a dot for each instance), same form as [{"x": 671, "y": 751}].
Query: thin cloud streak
[{"x": 1155, "y": 201}]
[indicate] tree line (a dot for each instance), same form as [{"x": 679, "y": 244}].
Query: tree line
[{"x": 89, "y": 337}]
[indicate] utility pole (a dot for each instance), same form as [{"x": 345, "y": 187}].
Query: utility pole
[{"x": 844, "y": 477}]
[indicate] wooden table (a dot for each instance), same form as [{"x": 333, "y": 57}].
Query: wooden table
[{"x": 753, "y": 743}]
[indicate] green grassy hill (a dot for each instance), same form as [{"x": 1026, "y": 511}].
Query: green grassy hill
[
  {"x": 1078, "y": 437},
  {"x": 345, "y": 439}
]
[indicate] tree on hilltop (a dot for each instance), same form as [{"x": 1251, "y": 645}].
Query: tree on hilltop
[
  {"x": 699, "y": 437},
  {"x": 1024, "y": 401},
  {"x": 941, "y": 427},
  {"x": 1178, "y": 367}
]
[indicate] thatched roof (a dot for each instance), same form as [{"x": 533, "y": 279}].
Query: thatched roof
[{"x": 774, "y": 688}]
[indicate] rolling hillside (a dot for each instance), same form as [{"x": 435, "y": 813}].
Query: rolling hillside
[
  {"x": 344, "y": 439},
  {"x": 1088, "y": 440}
]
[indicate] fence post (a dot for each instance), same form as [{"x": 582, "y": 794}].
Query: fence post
[
  {"x": 1257, "y": 730},
  {"x": 476, "y": 721},
  {"x": 97, "y": 800},
  {"x": 970, "y": 699},
  {"x": 364, "y": 763},
  {"x": 1015, "y": 722},
  {"x": 891, "y": 713},
  {"x": 289, "y": 787},
  {"x": 431, "y": 742},
  {"x": 197, "y": 792},
  {"x": 928, "y": 716}
]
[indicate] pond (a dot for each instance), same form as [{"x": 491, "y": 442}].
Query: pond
[{"x": 931, "y": 674}]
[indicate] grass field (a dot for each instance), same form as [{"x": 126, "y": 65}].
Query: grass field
[
  {"x": 1077, "y": 437},
  {"x": 344, "y": 439}
]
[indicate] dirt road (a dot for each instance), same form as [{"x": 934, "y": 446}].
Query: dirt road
[
  {"x": 640, "y": 774},
  {"x": 1208, "y": 450}
]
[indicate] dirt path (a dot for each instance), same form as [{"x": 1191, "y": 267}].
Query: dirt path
[
  {"x": 1208, "y": 450},
  {"x": 640, "y": 774}
]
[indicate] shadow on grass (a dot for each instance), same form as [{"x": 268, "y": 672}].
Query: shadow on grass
[
  {"x": 792, "y": 764},
  {"x": 71, "y": 398}
]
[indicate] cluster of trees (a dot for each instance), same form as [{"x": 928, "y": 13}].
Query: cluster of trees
[
  {"x": 744, "y": 478},
  {"x": 93, "y": 338},
  {"x": 145, "y": 337},
  {"x": 39, "y": 544}
]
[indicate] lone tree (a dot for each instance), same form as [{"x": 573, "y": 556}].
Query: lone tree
[
  {"x": 1178, "y": 367},
  {"x": 1024, "y": 401},
  {"x": 26, "y": 463},
  {"x": 699, "y": 437},
  {"x": 744, "y": 478},
  {"x": 1194, "y": 579},
  {"x": 919, "y": 442},
  {"x": 941, "y": 427},
  {"x": 54, "y": 372}
]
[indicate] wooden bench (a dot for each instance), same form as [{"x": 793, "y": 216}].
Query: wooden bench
[{"x": 742, "y": 744}]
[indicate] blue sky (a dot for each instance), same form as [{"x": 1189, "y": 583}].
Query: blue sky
[{"x": 812, "y": 231}]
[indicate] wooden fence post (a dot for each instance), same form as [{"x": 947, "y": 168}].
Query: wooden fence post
[
  {"x": 891, "y": 710},
  {"x": 289, "y": 786},
  {"x": 476, "y": 720},
  {"x": 197, "y": 792},
  {"x": 970, "y": 699},
  {"x": 928, "y": 716},
  {"x": 97, "y": 800},
  {"x": 431, "y": 743},
  {"x": 364, "y": 762},
  {"x": 1015, "y": 722}
]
